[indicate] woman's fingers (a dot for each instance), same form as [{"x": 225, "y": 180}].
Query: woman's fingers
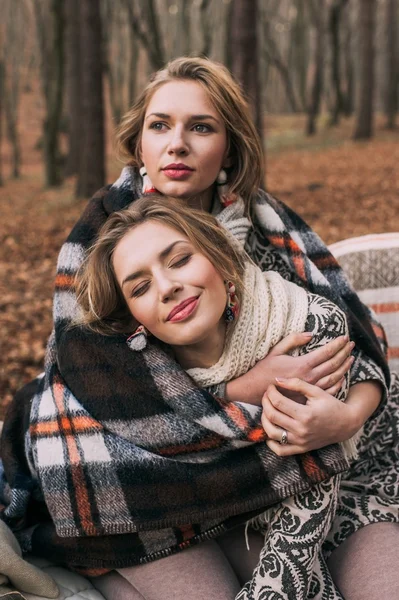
[
  {"x": 289, "y": 343},
  {"x": 336, "y": 366},
  {"x": 285, "y": 449},
  {"x": 333, "y": 391},
  {"x": 333, "y": 350},
  {"x": 326, "y": 382},
  {"x": 276, "y": 415}
]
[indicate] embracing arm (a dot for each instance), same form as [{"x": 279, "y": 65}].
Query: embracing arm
[
  {"x": 323, "y": 420},
  {"x": 324, "y": 367}
]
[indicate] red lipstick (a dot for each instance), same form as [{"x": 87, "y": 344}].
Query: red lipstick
[
  {"x": 183, "y": 310},
  {"x": 177, "y": 171}
]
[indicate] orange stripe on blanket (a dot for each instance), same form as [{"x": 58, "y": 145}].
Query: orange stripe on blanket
[
  {"x": 78, "y": 478},
  {"x": 299, "y": 266},
  {"x": 237, "y": 416},
  {"x": 282, "y": 242},
  {"x": 80, "y": 425},
  {"x": 64, "y": 282},
  {"x": 393, "y": 352},
  {"x": 311, "y": 468},
  {"x": 323, "y": 262},
  {"x": 257, "y": 435},
  {"x": 385, "y": 307}
]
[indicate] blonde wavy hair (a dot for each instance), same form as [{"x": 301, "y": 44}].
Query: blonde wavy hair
[
  {"x": 103, "y": 306},
  {"x": 244, "y": 148}
]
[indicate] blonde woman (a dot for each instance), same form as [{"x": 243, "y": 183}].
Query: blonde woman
[{"x": 191, "y": 137}]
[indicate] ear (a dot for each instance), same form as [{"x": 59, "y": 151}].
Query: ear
[
  {"x": 227, "y": 162},
  {"x": 227, "y": 158}
]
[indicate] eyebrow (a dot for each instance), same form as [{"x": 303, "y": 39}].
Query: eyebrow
[
  {"x": 192, "y": 118},
  {"x": 162, "y": 255}
]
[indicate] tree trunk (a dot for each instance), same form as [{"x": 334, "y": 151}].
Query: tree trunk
[
  {"x": 391, "y": 75},
  {"x": 132, "y": 72},
  {"x": 12, "y": 133},
  {"x": 274, "y": 57},
  {"x": 316, "y": 86},
  {"x": 52, "y": 75},
  {"x": 2, "y": 79},
  {"x": 348, "y": 65},
  {"x": 206, "y": 28},
  {"x": 244, "y": 54},
  {"x": 300, "y": 50},
  {"x": 92, "y": 162},
  {"x": 73, "y": 85},
  {"x": 365, "y": 91},
  {"x": 334, "y": 25}
]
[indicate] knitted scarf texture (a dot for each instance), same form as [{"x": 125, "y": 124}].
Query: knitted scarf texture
[
  {"x": 271, "y": 308},
  {"x": 118, "y": 451}
]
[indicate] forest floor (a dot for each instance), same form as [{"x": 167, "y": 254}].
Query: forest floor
[{"x": 342, "y": 188}]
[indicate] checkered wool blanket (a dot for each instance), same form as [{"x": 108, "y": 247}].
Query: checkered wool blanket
[{"x": 116, "y": 446}]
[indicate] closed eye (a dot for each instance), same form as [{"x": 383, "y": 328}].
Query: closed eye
[
  {"x": 181, "y": 261},
  {"x": 140, "y": 290}
]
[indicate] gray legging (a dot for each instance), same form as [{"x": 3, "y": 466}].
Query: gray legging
[{"x": 364, "y": 567}]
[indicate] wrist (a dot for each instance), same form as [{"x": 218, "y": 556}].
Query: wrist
[{"x": 241, "y": 390}]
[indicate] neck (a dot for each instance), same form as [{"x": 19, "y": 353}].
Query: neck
[
  {"x": 204, "y": 353},
  {"x": 202, "y": 201}
]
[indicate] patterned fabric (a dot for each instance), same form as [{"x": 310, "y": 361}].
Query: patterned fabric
[
  {"x": 92, "y": 389},
  {"x": 372, "y": 265},
  {"x": 302, "y": 531}
]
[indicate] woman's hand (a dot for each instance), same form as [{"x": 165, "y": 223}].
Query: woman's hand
[
  {"x": 323, "y": 420},
  {"x": 324, "y": 367}
]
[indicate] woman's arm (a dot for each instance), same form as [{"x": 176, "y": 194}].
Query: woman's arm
[
  {"x": 323, "y": 420},
  {"x": 324, "y": 367}
]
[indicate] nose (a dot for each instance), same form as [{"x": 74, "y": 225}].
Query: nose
[
  {"x": 167, "y": 287},
  {"x": 178, "y": 144}
]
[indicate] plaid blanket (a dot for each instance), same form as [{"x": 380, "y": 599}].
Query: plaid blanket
[{"x": 88, "y": 443}]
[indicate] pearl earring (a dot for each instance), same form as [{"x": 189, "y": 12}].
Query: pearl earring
[
  {"x": 148, "y": 187},
  {"x": 223, "y": 189}
]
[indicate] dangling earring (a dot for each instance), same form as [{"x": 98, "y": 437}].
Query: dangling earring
[
  {"x": 138, "y": 340},
  {"x": 232, "y": 307},
  {"x": 223, "y": 189},
  {"x": 148, "y": 187}
]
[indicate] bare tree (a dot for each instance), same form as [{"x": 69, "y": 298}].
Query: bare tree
[
  {"x": 365, "y": 91},
  {"x": 348, "y": 67},
  {"x": 15, "y": 35},
  {"x": 274, "y": 57},
  {"x": 92, "y": 159},
  {"x": 73, "y": 85},
  {"x": 52, "y": 76},
  {"x": 300, "y": 48},
  {"x": 244, "y": 54},
  {"x": 392, "y": 72},
  {"x": 115, "y": 55},
  {"x": 317, "y": 15},
  {"x": 206, "y": 27},
  {"x": 335, "y": 15},
  {"x": 2, "y": 78},
  {"x": 144, "y": 25}
]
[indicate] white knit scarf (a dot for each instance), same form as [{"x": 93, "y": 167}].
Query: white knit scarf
[{"x": 270, "y": 309}]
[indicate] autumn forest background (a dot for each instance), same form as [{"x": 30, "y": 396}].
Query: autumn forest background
[{"x": 321, "y": 77}]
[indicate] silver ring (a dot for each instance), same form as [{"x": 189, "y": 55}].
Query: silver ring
[{"x": 284, "y": 437}]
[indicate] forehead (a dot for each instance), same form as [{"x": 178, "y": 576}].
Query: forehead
[
  {"x": 143, "y": 244},
  {"x": 179, "y": 95}
]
